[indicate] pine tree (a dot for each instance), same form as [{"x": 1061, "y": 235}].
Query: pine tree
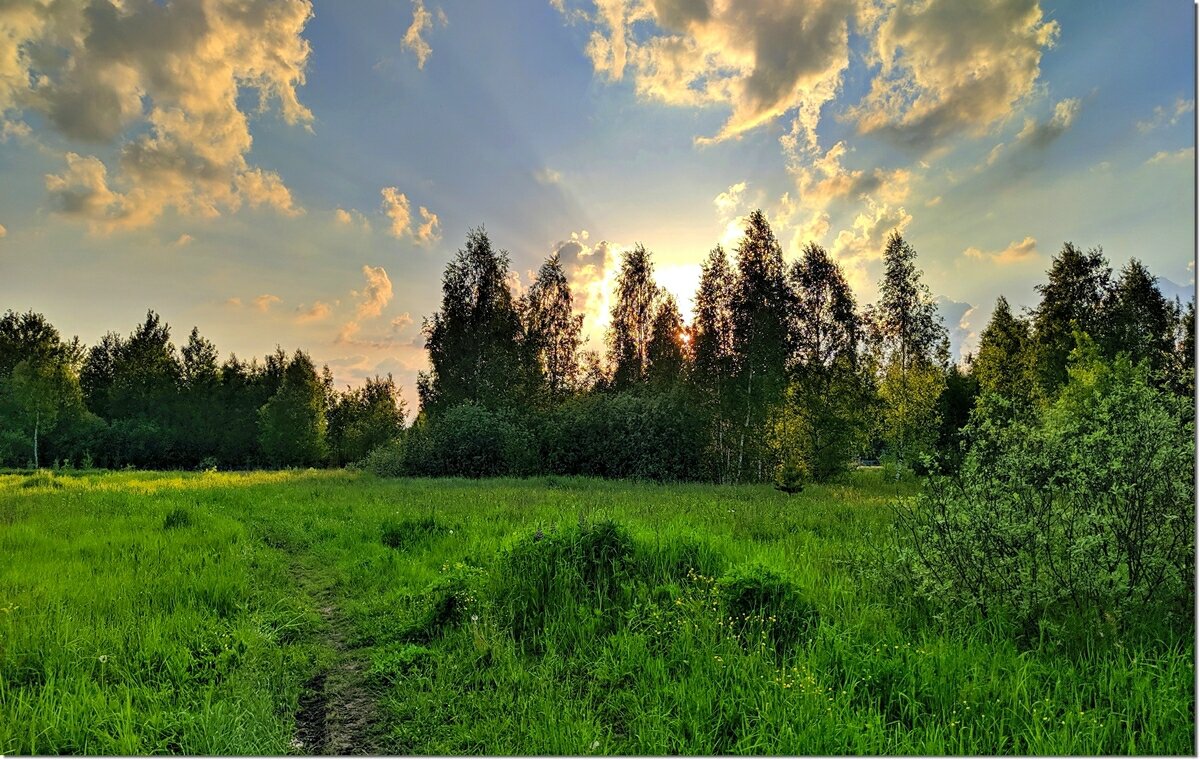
[
  {"x": 1072, "y": 299},
  {"x": 1002, "y": 365},
  {"x": 1137, "y": 320}
]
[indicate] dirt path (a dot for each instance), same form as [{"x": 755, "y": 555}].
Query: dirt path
[{"x": 337, "y": 708}]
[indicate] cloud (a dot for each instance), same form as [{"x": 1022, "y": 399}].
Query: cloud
[
  {"x": 182, "y": 240},
  {"x": 352, "y": 218},
  {"x": 591, "y": 272},
  {"x": 347, "y": 333},
  {"x": 422, "y": 22},
  {"x": 430, "y": 229},
  {"x": 761, "y": 60},
  {"x": 375, "y": 295},
  {"x": 318, "y": 311},
  {"x": 1183, "y": 155},
  {"x": 401, "y": 322},
  {"x": 1167, "y": 116},
  {"x": 266, "y": 301},
  {"x": 948, "y": 69},
  {"x": 548, "y": 176},
  {"x": 234, "y": 302},
  {"x": 730, "y": 201},
  {"x": 1025, "y": 250},
  {"x": 395, "y": 207},
  {"x": 3, "y": 231},
  {"x": 1039, "y": 135},
  {"x": 163, "y": 80},
  {"x": 958, "y": 316}
]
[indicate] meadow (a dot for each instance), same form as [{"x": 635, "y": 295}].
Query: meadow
[{"x": 312, "y": 612}]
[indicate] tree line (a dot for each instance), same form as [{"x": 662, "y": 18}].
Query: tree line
[{"x": 781, "y": 376}]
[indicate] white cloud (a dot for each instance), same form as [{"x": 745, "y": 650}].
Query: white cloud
[
  {"x": 1183, "y": 155},
  {"x": 945, "y": 71},
  {"x": 352, "y": 218},
  {"x": 395, "y": 207},
  {"x": 548, "y": 176},
  {"x": 1025, "y": 250},
  {"x": 182, "y": 240},
  {"x": 422, "y": 22},
  {"x": 265, "y": 301},
  {"x": 375, "y": 295},
  {"x": 163, "y": 80},
  {"x": 1167, "y": 116},
  {"x": 318, "y": 311},
  {"x": 401, "y": 322},
  {"x": 430, "y": 229},
  {"x": 3, "y": 231}
]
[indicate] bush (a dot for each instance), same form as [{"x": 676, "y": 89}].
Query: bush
[
  {"x": 625, "y": 435},
  {"x": 448, "y": 601},
  {"x": 760, "y": 604},
  {"x": 1085, "y": 506},
  {"x": 471, "y": 441},
  {"x": 552, "y": 574},
  {"x": 386, "y": 461}
]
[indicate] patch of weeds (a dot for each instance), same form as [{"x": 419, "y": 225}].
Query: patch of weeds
[
  {"x": 448, "y": 601},
  {"x": 406, "y": 534},
  {"x": 42, "y": 479},
  {"x": 762, "y": 606},
  {"x": 177, "y": 518},
  {"x": 391, "y": 663}
]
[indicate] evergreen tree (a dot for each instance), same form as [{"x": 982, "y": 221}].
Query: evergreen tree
[
  {"x": 475, "y": 341},
  {"x": 1072, "y": 299},
  {"x": 667, "y": 355},
  {"x": 292, "y": 425},
  {"x": 632, "y": 321},
  {"x": 199, "y": 415},
  {"x": 552, "y": 329},
  {"x": 1003, "y": 363},
  {"x": 760, "y": 307},
  {"x": 1137, "y": 320}
]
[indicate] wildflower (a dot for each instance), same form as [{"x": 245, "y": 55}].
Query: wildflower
[
  {"x": 103, "y": 658},
  {"x": 595, "y": 744},
  {"x": 474, "y": 618}
]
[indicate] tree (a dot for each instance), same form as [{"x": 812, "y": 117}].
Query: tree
[
  {"x": 825, "y": 418},
  {"x": 760, "y": 309},
  {"x": 292, "y": 425},
  {"x": 1003, "y": 363},
  {"x": 1137, "y": 320},
  {"x": 362, "y": 419},
  {"x": 45, "y": 391},
  {"x": 713, "y": 359},
  {"x": 552, "y": 329},
  {"x": 199, "y": 412},
  {"x": 910, "y": 343},
  {"x": 632, "y": 321},
  {"x": 475, "y": 345},
  {"x": 667, "y": 354},
  {"x": 1071, "y": 299}
]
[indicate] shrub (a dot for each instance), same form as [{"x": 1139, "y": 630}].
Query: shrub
[
  {"x": 1084, "y": 506},
  {"x": 386, "y": 461},
  {"x": 761, "y": 604},
  {"x": 471, "y": 441}
]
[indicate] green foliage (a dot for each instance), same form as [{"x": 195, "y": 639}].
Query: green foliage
[
  {"x": 292, "y": 424},
  {"x": 631, "y": 327},
  {"x": 909, "y": 423},
  {"x": 1072, "y": 298},
  {"x": 472, "y": 441},
  {"x": 177, "y": 518},
  {"x": 1086, "y": 508},
  {"x": 406, "y": 534},
  {"x": 758, "y": 602},
  {"x": 365, "y": 418},
  {"x": 388, "y": 460},
  {"x": 552, "y": 329}
]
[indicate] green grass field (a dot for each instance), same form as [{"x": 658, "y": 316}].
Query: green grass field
[{"x": 269, "y": 613}]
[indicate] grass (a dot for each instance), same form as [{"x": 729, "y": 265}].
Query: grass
[{"x": 270, "y": 613}]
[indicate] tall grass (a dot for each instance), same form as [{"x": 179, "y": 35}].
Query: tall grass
[{"x": 545, "y": 616}]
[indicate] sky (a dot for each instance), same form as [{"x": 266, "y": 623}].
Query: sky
[{"x": 296, "y": 173}]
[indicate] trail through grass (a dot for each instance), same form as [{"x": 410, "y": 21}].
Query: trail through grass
[{"x": 316, "y": 612}]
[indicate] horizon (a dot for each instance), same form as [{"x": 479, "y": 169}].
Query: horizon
[{"x": 142, "y": 174}]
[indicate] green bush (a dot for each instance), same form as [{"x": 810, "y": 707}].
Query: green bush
[
  {"x": 471, "y": 441},
  {"x": 761, "y": 605},
  {"x": 1085, "y": 506},
  {"x": 386, "y": 461},
  {"x": 448, "y": 601}
]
